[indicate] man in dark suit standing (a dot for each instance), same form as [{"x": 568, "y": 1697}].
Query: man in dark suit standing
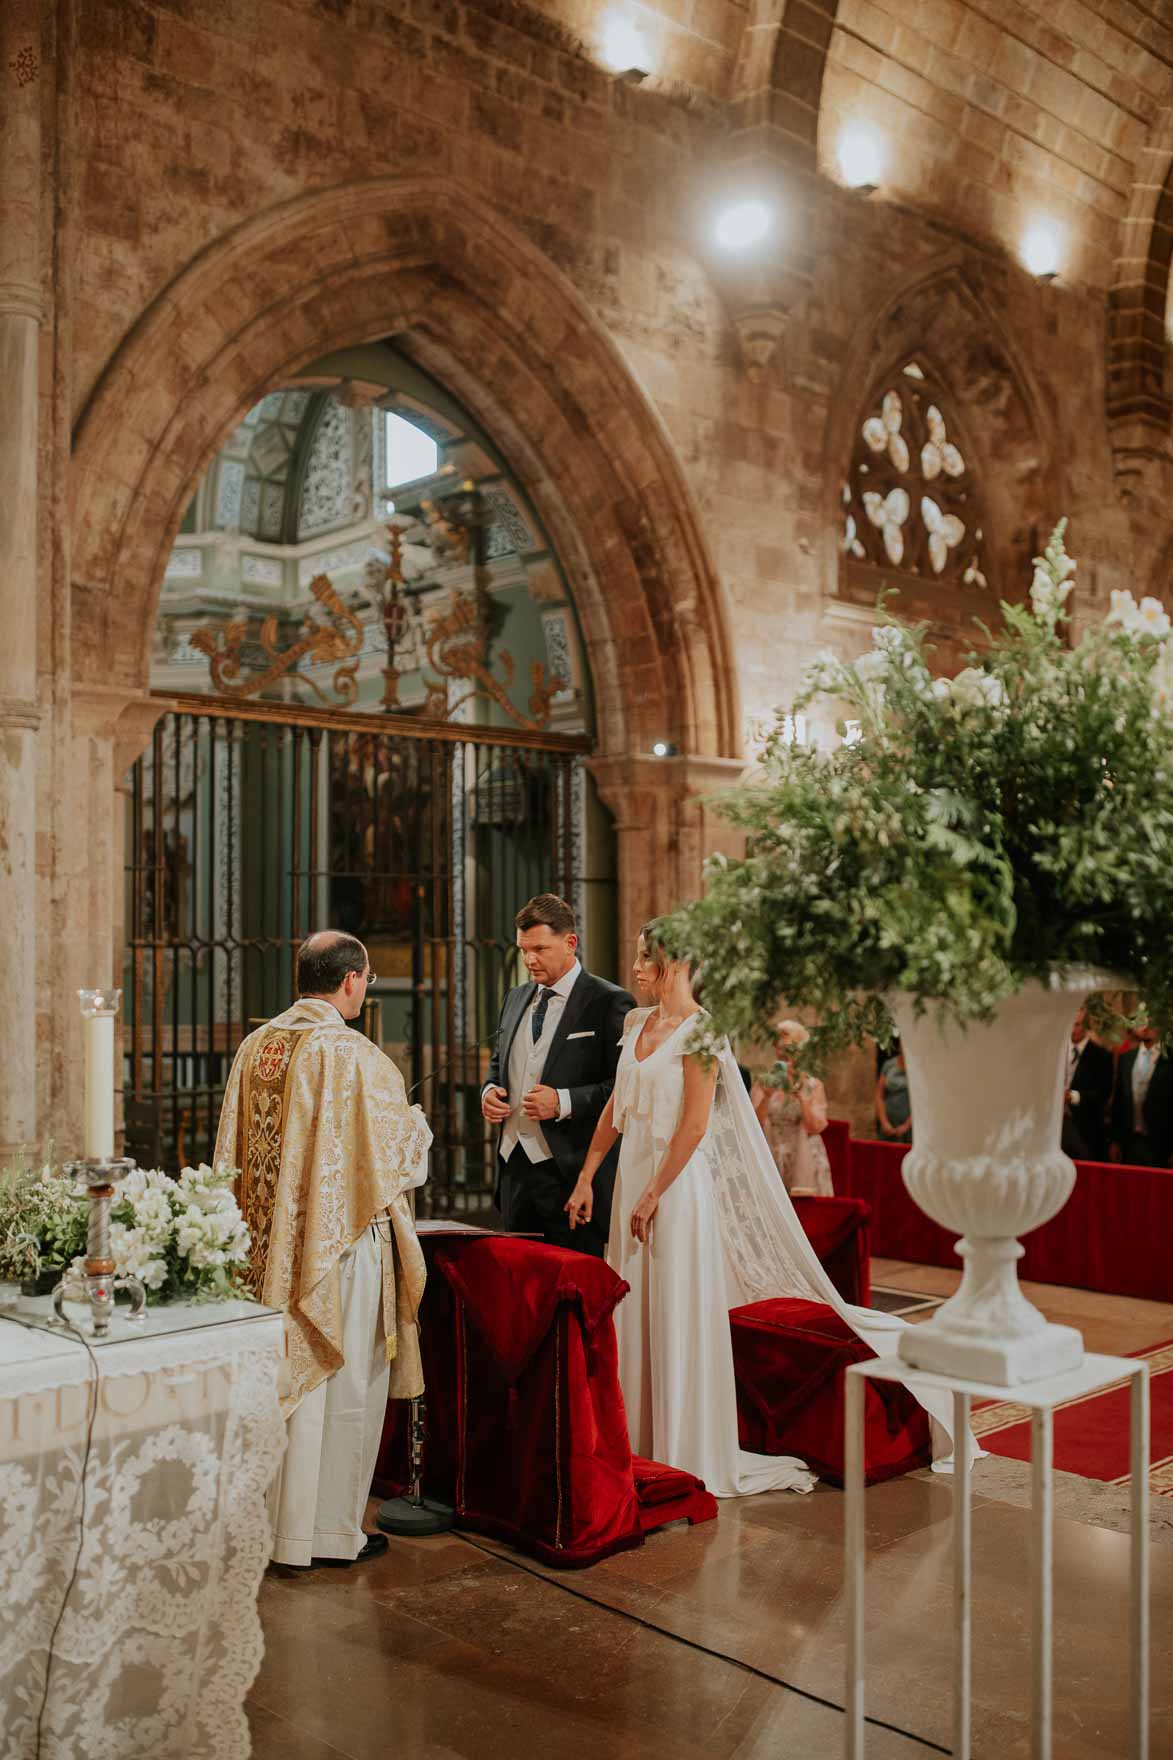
[
  {"x": 1142, "y": 1111},
  {"x": 1088, "y": 1091},
  {"x": 550, "y": 1077}
]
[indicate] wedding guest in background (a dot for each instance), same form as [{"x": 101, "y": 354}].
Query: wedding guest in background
[
  {"x": 1142, "y": 1109},
  {"x": 1088, "y": 1091},
  {"x": 794, "y": 1118},
  {"x": 893, "y": 1104}
]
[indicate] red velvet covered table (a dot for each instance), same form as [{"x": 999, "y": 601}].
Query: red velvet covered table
[{"x": 527, "y": 1435}]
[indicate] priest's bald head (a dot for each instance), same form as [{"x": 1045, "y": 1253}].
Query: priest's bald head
[{"x": 334, "y": 966}]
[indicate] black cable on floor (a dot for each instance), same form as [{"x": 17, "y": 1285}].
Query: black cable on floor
[
  {"x": 75, "y": 1332},
  {"x": 718, "y": 1655}
]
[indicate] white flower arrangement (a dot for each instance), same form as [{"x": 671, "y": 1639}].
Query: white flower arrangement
[
  {"x": 981, "y": 832},
  {"x": 184, "y": 1238}
]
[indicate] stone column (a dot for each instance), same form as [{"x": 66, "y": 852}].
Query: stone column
[
  {"x": 664, "y": 828},
  {"x": 21, "y": 314}
]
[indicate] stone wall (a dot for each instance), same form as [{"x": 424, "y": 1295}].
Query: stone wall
[{"x": 228, "y": 183}]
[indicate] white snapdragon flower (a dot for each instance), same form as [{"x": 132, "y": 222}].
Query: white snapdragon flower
[
  {"x": 1047, "y": 595},
  {"x": 975, "y": 689},
  {"x": 872, "y": 666},
  {"x": 942, "y": 689}
]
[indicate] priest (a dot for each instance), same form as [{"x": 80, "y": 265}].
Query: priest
[{"x": 316, "y": 1120}]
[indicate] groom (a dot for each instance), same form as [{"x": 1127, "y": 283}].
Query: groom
[{"x": 551, "y": 1075}]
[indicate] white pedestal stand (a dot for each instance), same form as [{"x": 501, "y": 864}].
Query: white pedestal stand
[{"x": 1040, "y": 1398}]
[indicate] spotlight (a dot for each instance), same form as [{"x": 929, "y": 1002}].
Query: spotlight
[
  {"x": 625, "y": 50},
  {"x": 742, "y": 225},
  {"x": 1042, "y": 250},
  {"x": 861, "y": 157},
  {"x": 663, "y": 748}
]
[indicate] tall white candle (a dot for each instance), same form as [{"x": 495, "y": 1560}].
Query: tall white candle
[{"x": 98, "y": 1010}]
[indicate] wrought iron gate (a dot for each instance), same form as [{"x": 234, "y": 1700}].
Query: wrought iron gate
[{"x": 249, "y": 829}]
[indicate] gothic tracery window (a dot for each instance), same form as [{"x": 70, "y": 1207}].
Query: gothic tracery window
[{"x": 911, "y": 505}]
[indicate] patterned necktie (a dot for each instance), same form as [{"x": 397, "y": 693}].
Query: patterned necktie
[{"x": 539, "y": 1014}]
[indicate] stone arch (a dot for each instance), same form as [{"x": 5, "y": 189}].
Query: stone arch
[
  {"x": 1138, "y": 300},
  {"x": 941, "y": 313},
  {"x": 778, "y": 78},
  {"x": 486, "y": 313}
]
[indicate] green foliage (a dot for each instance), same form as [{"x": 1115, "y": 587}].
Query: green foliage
[
  {"x": 42, "y": 1222},
  {"x": 982, "y": 832}
]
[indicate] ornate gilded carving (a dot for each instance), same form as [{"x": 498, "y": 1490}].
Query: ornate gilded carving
[
  {"x": 324, "y": 643},
  {"x": 457, "y": 644},
  {"x": 457, "y": 647}
]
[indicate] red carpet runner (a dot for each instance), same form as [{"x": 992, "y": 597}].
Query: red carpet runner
[{"x": 1091, "y": 1434}]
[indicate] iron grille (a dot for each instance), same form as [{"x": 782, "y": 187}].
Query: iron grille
[{"x": 249, "y": 829}]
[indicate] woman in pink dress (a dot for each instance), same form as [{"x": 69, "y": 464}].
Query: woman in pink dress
[{"x": 794, "y": 1118}]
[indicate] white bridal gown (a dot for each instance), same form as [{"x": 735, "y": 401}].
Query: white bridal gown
[
  {"x": 725, "y": 1233},
  {"x": 675, "y": 1346}
]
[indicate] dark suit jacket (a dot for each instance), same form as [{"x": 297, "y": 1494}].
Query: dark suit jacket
[
  {"x": 1155, "y": 1145},
  {"x": 1085, "y": 1126},
  {"x": 583, "y": 1064}
]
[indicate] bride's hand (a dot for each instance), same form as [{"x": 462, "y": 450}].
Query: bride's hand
[
  {"x": 641, "y": 1216},
  {"x": 580, "y": 1205}
]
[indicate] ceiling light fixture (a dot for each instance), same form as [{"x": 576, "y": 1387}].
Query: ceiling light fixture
[
  {"x": 860, "y": 152},
  {"x": 1042, "y": 250},
  {"x": 625, "y": 49},
  {"x": 742, "y": 225}
]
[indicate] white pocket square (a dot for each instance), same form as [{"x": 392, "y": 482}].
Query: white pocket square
[{"x": 587, "y": 1035}]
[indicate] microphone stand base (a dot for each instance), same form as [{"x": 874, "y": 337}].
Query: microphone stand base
[{"x": 415, "y": 1517}]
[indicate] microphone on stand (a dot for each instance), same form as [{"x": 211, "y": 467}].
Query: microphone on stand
[{"x": 442, "y": 1068}]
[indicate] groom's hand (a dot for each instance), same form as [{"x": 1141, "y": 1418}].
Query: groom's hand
[
  {"x": 495, "y": 1105},
  {"x": 541, "y": 1103}
]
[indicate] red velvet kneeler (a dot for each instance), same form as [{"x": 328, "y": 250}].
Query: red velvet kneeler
[
  {"x": 789, "y": 1359},
  {"x": 527, "y": 1435},
  {"x": 544, "y": 1457},
  {"x": 839, "y": 1231}
]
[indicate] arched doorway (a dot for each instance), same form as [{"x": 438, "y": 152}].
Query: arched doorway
[
  {"x": 378, "y": 716},
  {"x": 476, "y": 308}
]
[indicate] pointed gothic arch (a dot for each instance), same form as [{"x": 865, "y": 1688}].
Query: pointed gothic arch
[{"x": 484, "y": 311}]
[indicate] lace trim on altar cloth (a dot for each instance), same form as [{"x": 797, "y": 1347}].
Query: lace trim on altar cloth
[{"x": 160, "y": 1639}]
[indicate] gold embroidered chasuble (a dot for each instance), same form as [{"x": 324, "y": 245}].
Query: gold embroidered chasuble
[{"x": 316, "y": 1120}]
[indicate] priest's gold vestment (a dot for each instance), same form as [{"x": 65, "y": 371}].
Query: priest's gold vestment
[{"x": 316, "y": 1119}]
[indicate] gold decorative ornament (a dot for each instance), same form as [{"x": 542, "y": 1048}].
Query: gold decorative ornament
[{"x": 324, "y": 643}]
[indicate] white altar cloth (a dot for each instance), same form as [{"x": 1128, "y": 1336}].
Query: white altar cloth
[{"x": 160, "y": 1638}]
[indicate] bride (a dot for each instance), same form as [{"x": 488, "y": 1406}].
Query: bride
[{"x": 700, "y": 1223}]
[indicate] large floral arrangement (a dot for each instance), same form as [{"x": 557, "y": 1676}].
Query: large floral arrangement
[
  {"x": 183, "y": 1237},
  {"x": 980, "y": 832}
]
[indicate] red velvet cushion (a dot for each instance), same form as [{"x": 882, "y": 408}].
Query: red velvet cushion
[{"x": 789, "y": 1359}]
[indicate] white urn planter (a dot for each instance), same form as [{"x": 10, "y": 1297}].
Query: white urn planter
[{"x": 987, "y": 1108}]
